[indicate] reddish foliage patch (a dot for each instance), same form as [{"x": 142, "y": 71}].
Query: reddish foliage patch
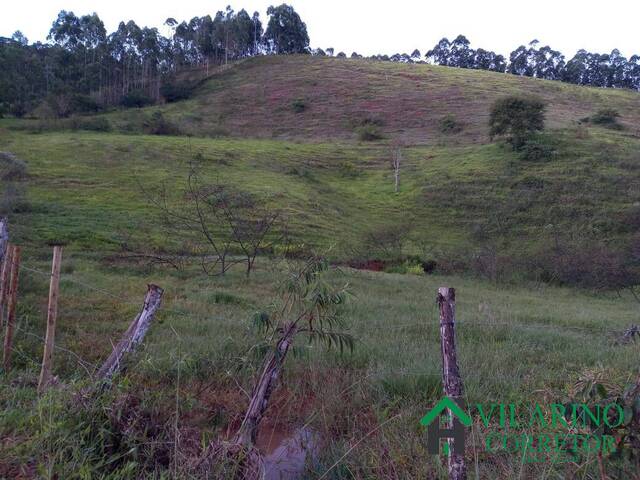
[{"x": 371, "y": 265}]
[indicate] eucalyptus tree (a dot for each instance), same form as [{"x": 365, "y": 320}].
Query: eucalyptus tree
[{"x": 286, "y": 32}]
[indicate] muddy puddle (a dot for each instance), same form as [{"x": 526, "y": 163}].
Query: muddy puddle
[{"x": 286, "y": 453}]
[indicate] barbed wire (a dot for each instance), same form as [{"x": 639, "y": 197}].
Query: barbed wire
[
  {"x": 83, "y": 363},
  {"x": 536, "y": 326},
  {"x": 401, "y": 372}
]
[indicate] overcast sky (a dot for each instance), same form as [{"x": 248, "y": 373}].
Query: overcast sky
[{"x": 377, "y": 26}]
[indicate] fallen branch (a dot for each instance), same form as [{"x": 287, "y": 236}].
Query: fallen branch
[{"x": 134, "y": 334}]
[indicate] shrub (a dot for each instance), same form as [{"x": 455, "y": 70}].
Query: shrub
[
  {"x": 11, "y": 168},
  {"x": 368, "y": 132},
  {"x": 18, "y": 109},
  {"x": 85, "y": 104},
  {"x": 299, "y": 105},
  {"x": 157, "y": 124},
  {"x": 537, "y": 150},
  {"x": 517, "y": 119},
  {"x": 606, "y": 117},
  {"x": 225, "y": 298},
  {"x": 96, "y": 124},
  {"x": 136, "y": 99},
  {"x": 12, "y": 172},
  {"x": 449, "y": 125},
  {"x": 44, "y": 111},
  {"x": 174, "y": 91}
]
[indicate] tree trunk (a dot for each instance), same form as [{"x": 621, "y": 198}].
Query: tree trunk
[
  {"x": 452, "y": 383},
  {"x": 134, "y": 334},
  {"x": 263, "y": 389}
]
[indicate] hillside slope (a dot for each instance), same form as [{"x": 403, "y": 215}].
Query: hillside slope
[
  {"x": 460, "y": 197},
  {"x": 259, "y": 98}
]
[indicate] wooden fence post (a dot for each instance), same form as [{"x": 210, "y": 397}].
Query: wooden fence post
[
  {"x": 11, "y": 308},
  {"x": 4, "y": 281},
  {"x": 451, "y": 381},
  {"x": 52, "y": 314},
  {"x": 134, "y": 334},
  {"x": 4, "y": 239}
]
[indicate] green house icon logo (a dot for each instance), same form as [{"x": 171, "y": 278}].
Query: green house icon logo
[{"x": 459, "y": 418}]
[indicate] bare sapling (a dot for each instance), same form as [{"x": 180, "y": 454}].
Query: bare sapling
[
  {"x": 210, "y": 221},
  {"x": 249, "y": 220},
  {"x": 308, "y": 305},
  {"x": 396, "y": 162}
]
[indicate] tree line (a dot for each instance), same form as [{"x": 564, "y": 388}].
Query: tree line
[{"x": 81, "y": 68}]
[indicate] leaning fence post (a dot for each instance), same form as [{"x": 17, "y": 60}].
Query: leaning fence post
[
  {"x": 52, "y": 314},
  {"x": 451, "y": 381},
  {"x": 134, "y": 334},
  {"x": 4, "y": 281},
  {"x": 4, "y": 239},
  {"x": 11, "y": 308}
]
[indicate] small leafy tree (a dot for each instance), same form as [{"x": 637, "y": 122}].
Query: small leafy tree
[
  {"x": 516, "y": 118},
  {"x": 308, "y": 305}
]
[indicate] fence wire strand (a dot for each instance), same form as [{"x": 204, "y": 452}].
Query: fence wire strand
[{"x": 401, "y": 372}]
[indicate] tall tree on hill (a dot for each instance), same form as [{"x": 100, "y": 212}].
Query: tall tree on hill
[
  {"x": 461, "y": 54},
  {"x": 487, "y": 60},
  {"x": 536, "y": 62},
  {"x": 440, "y": 54},
  {"x": 286, "y": 32}
]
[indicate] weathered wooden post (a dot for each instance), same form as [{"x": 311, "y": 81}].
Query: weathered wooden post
[
  {"x": 52, "y": 314},
  {"x": 451, "y": 381},
  {"x": 11, "y": 308},
  {"x": 4, "y": 238},
  {"x": 4, "y": 281},
  {"x": 134, "y": 334}
]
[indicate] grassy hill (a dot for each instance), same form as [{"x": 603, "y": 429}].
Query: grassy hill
[
  {"x": 257, "y": 98},
  {"x": 460, "y": 197}
]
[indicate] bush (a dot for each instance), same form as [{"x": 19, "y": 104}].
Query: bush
[
  {"x": 299, "y": 106},
  {"x": 157, "y": 124},
  {"x": 44, "y": 111},
  {"x": 449, "y": 125},
  {"x": 136, "y": 99},
  {"x": 368, "y": 133},
  {"x": 85, "y": 104},
  {"x": 18, "y": 109},
  {"x": 517, "y": 119},
  {"x": 537, "y": 150},
  {"x": 11, "y": 168},
  {"x": 12, "y": 172},
  {"x": 606, "y": 117},
  {"x": 97, "y": 124},
  {"x": 174, "y": 91}
]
